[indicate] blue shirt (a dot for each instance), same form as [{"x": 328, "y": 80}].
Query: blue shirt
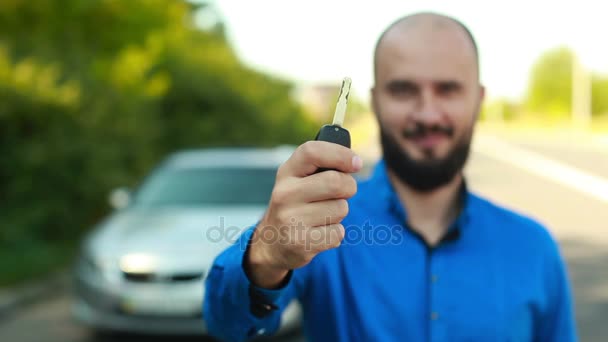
[{"x": 495, "y": 276}]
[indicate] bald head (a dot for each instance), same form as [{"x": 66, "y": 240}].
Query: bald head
[{"x": 426, "y": 25}]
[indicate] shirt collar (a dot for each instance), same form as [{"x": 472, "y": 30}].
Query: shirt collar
[{"x": 388, "y": 198}]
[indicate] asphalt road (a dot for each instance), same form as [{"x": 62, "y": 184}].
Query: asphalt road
[
  {"x": 50, "y": 321},
  {"x": 578, "y": 220}
]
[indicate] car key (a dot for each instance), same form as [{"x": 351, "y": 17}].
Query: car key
[{"x": 335, "y": 133}]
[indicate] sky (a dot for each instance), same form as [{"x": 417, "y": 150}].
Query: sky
[{"x": 322, "y": 41}]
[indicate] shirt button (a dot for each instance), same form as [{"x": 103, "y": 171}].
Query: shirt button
[
  {"x": 434, "y": 316},
  {"x": 434, "y": 278}
]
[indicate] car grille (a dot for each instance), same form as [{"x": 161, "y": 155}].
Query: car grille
[{"x": 165, "y": 278}]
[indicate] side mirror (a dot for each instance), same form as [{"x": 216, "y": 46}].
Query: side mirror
[{"x": 119, "y": 198}]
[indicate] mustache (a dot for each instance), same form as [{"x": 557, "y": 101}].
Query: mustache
[{"x": 419, "y": 130}]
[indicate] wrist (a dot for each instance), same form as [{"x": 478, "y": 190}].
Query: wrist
[{"x": 261, "y": 267}]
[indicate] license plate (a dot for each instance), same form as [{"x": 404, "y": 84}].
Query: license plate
[{"x": 160, "y": 303}]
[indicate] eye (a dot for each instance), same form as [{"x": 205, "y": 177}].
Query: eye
[
  {"x": 402, "y": 89},
  {"x": 448, "y": 88}
]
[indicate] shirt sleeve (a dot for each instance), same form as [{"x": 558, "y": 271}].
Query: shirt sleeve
[
  {"x": 233, "y": 308},
  {"x": 557, "y": 321}
]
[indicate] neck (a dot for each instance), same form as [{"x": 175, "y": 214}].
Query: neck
[{"x": 430, "y": 213}]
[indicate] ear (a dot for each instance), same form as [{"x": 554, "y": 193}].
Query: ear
[
  {"x": 374, "y": 100},
  {"x": 482, "y": 93},
  {"x": 482, "y": 96}
]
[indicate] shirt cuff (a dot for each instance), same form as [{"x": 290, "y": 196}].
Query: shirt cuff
[{"x": 262, "y": 301}]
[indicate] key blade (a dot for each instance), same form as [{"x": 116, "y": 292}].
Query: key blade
[{"x": 342, "y": 101}]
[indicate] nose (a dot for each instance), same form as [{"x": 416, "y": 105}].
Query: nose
[{"x": 428, "y": 109}]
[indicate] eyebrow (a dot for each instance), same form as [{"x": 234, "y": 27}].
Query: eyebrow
[
  {"x": 401, "y": 83},
  {"x": 453, "y": 83},
  {"x": 412, "y": 83}
]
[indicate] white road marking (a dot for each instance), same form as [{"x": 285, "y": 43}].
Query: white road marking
[{"x": 535, "y": 163}]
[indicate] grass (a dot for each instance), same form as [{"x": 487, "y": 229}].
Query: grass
[{"x": 34, "y": 261}]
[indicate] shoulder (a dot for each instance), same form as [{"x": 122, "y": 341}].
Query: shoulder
[
  {"x": 519, "y": 242},
  {"x": 513, "y": 227}
]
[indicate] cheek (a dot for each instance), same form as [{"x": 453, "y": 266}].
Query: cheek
[
  {"x": 393, "y": 115},
  {"x": 461, "y": 111},
  {"x": 463, "y": 123},
  {"x": 461, "y": 114}
]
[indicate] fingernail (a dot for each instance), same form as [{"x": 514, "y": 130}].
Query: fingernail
[{"x": 357, "y": 163}]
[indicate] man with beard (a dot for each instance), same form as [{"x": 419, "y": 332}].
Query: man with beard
[{"x": 412, "y": 255}]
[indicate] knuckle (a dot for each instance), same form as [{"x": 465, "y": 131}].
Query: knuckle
[
  {"x": 308, "y": 150},
  {"x": 346, "y": 159},
  {"x": 341, "y": 208},
  {"x": 336, "y": 235},
  {"x": 277, "y": 194},
  {"x": 341, "y": 233},
  {"x": 350, "y": 188},
  {"x": 299, "y": 255},
  {"x": 281, "y": 171},
  {"x": 280, "y": 195},
  {"x": 315, "y": 236},
  {"x": 340, "y": 185},
  {"x": 333, "y": 182},
  {"x": 284, "y": 217}
]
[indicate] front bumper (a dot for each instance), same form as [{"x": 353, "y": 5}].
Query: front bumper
[
  {"x": 113, "y": 308},
  {"x": 113, "y": 321},
  {"x": 139, "y": 308}
]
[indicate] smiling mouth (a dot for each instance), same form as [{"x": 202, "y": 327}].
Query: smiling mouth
[{"x": 427, "y": 136}]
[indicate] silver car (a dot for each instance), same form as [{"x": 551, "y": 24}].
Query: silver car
[{"x": 142, "y": 269}]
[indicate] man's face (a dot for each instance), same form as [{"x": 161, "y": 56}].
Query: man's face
[{"x": 426, "y": 98}]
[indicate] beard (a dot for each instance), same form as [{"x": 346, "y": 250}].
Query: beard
[{"x": 430, "y": 173}]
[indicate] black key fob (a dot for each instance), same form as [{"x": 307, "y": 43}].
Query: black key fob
[{"x": 335, "y": 134}]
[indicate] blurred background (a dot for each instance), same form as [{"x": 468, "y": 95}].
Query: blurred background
[{"x": 95, "y": 94}]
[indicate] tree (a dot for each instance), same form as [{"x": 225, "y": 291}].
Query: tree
[
  {"x": 500, "y": 109},
  {"x": 96, "y": 92},
  {"x": 599, "y": 95},
  {"x": 550, "y": 86}
]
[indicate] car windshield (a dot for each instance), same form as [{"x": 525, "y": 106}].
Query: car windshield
[{"x": 207, "y": 186}]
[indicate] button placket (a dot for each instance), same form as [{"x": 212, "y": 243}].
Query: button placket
[{"x": 435, "y": 286}]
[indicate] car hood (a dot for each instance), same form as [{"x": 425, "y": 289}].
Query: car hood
[{"x": 179, "y": 238}]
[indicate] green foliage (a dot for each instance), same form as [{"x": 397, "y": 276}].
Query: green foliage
[
  {"x": 500, "y": 110},
  {"x": 550, "y": 88},
  {"x": 599, "y": 95},
  {"x": 357, "y": 108},
  {"x": 96, "y": 92}
]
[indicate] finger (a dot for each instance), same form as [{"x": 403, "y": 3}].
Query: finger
[
  {"x": 313, "y": 155},
  {"x": 327, "y": 185},
  {"x": 317, "y": 214},
  {"x": 320, "y": 239}
]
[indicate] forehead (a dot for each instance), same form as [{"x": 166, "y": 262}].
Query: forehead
[{"x": 426, "y": 51}]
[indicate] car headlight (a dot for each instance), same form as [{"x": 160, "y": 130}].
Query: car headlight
[
  {"x": 138, "y": 263},
  {"x": 93, "y": 267}
]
